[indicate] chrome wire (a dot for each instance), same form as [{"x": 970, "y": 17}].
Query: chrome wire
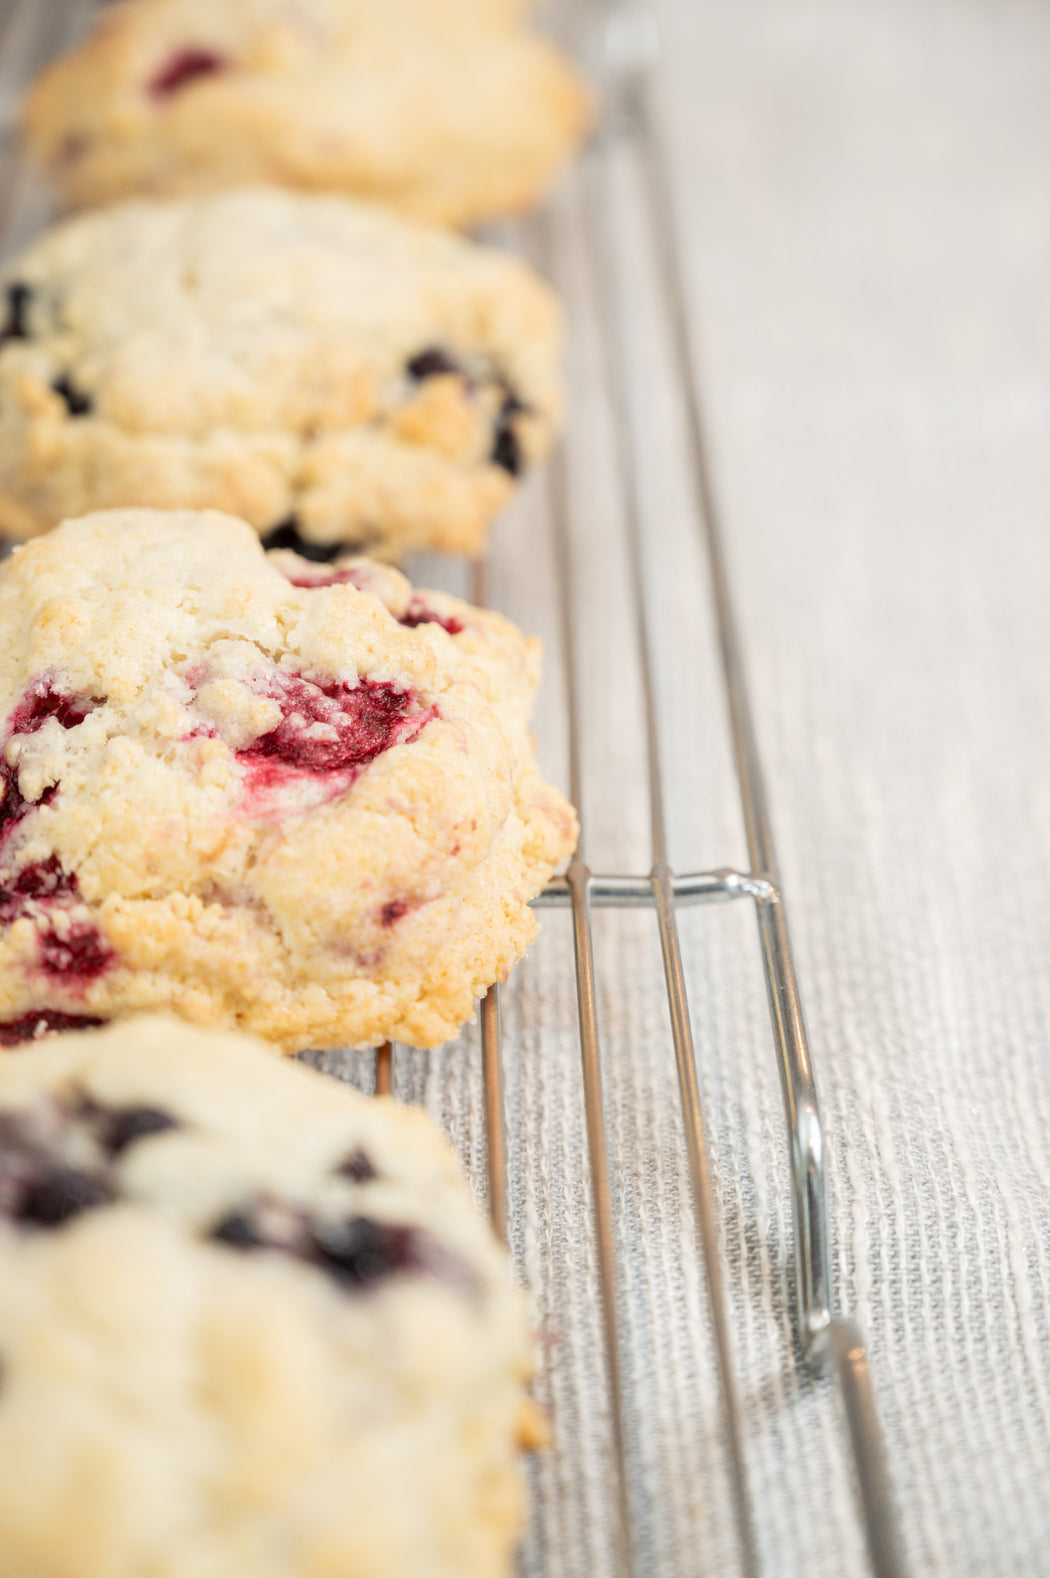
[
  {"x": 858, "y": 1396},
  {"x": 385, "y": 1070},
  {"x": 785, "y": 1002},
  {"x": 613, "y": 293},
  {"x": 825, "y": 1338},
  {"x": 578, "y": 880},
  {"x": 491, "y": 1041},
  {"x": 699, "y": 887},
  {"x": 495, "y": 1131}
]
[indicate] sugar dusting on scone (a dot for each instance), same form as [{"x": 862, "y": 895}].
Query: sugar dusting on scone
[
  {"x": 327, "y": 370},
  {"x": 250, "y": 1322},
  {"x": 308, "y": 810},
  {"x": 451, "y": 110}
]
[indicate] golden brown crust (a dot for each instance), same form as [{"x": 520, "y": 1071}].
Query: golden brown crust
[
  {"x": 276, "y": 357},
  {"x": 453, "y": 112},
  {"x": 242, "y": 877},
  {"x": 175, "y": 1401}
]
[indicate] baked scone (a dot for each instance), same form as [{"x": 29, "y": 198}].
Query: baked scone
[
  {"x": 318, "y": 366},
  {"x": 451, "y": 110},
  {"x": 297, "y": 809},
  {"x": 250, "y": 1323}
]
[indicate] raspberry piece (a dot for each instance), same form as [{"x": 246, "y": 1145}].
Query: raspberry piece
[
  {"x": 357, "y": 724},
  {"x": 418, "y": 613},
  {"x": 13, "y": 806},
  {"x": 44, "y": 1022},
  {"x": 42, "y": 701},
  {"x": 187, "y": 65},
  {"x": 41, "y": 882},
  {"x": 79, "y": 955},
  {"x": 312, "y": 581}
]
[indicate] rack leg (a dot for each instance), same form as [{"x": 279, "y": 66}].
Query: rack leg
[{"x": 495, "y": 1133}]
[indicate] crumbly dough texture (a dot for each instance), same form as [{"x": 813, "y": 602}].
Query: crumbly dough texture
[
  {"x": 451, "y": 110},
  {"x": 295, "y": 360},
  {"x": 251, "y": 1323},
  {"x": 312, "y": 811}
]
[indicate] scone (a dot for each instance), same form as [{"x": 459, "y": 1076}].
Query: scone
[
  {"x": 311, "y": 811},
  {"x": 324, "y": 369},
  {"x": 250, "y": 1324},
  {"x": 451, "y": 110}
]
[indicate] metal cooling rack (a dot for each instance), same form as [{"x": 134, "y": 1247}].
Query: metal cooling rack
[
  {"x": 33, "y": 30},
  {"x": 831, "y": 1342}
]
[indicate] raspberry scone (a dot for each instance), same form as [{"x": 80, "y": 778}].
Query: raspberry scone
[
  {"x": 263, "y": 802},
  {"x": 250, "y": 1323},
  {"x": 450, "y": 110},
  {"x": 320, "y": 367}
]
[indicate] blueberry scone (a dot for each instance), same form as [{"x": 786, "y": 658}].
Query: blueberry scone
[
  {"x": 296, "y": 800},
  {"x": 250, "y": 1323},
  {"x": 320, "y": 367},
  {"x": 450, "y": 110}
]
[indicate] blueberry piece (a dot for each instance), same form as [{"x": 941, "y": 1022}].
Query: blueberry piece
[
  {"x": 432, "y": 363},
  {"x": 60, "y": 1195},
  {"x": 16, "y": 326},
  {"x": 237, "y": 1231},
  {"x": 124, "y": 1127},
  {"x": 360, "y": 1252},
  {"x": 506, "y": 446},
  {"x": 358, "y": 1168},
  {"x": 77, "y": 404},
  {"x": 286, "y": 535}
]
